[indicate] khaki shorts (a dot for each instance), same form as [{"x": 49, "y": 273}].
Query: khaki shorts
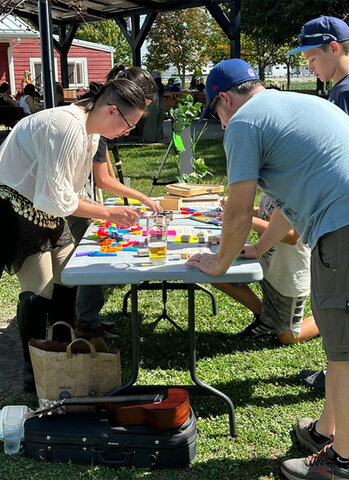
[{"x": 330, "y": 292}]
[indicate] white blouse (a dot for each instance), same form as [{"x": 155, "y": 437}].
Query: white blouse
[
  {"x": 23, "y": 104},
  {"x": 47, "y": 157}
]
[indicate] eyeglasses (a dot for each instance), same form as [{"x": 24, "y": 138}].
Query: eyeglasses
[
  {"x": 213, "y": 107},
  {"x": 130, "y": 127},
  {"x": 325, "y": 37}
]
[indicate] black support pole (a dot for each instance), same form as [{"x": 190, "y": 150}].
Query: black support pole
[
  {"x": 45, "y": 25},
  {"x": 235, "y": 47}
]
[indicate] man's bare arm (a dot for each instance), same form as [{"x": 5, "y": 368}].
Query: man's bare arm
[
  {"x": 237, "y": 219},
  {"x": 278, "y": 229}
]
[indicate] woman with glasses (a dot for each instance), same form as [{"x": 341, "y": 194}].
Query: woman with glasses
[{"x": 44, "y": 164}]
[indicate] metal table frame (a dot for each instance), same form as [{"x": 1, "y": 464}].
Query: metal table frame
[{"x": 200, "y": 388}]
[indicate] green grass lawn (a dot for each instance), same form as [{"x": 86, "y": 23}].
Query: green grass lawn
[{"x": 260, "y": 376}]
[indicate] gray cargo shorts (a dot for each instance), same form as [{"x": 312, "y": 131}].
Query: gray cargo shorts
[
  {"x": 330, "y": 292},
  {"x": 280, "y": 312}
]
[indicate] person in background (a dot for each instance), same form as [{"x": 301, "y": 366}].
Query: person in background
[
  {"x": 328, "y": 57},
  {"x": 285, "y": 286},
  {"x": 169, "y": 84},
  {"x": 5, "y": 96},
  {"x": 176, "y": 87},
  {"x": 153, "y": 122},
  {"x": 90, "y": 298},
  {"x": 197, "y": 85},
  {"x": 45, "y": 162},
  {"x": 27, "y": 101},
  {"x": 27, "y": 79}
]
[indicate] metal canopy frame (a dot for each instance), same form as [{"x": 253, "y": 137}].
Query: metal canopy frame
[{"x": 69, "y": 15}]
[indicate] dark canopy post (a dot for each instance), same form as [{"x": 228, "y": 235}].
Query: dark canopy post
[
  {"x": 230, "y": 26},
  {"x": 45, "y": 24},
  {"x": 135, "y": 35},
  {"x": 236, "y": 26},
  {"x": 63, "y": 46}
]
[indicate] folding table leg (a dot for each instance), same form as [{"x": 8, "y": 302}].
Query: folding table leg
[
  {"x": 135, "y": 343},
  {"x": 192, "y": 360}
]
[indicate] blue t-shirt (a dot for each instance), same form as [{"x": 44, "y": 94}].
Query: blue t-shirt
[
  {"x": 176, "y": 88},
  {"x": 339, "y": 94},
  {"x": 297, "y": 147}
]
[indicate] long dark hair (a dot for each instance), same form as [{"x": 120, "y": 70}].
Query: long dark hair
[
  {"x": 4, "y": 87},
  {"x": 140, "y": 77},
  {"x": 120, "y": 92},
  {"x": 29, "y": 89}
]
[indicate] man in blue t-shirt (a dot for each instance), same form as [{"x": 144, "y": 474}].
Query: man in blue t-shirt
[
  {"x": 176, "y": 87},
  {"x": 295, "y": 147},
  {"x": 325, "y": 43}
]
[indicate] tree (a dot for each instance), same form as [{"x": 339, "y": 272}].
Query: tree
[
  {"x": 269, "y": 28},
  {"x": 107, "y": 33},
  {"x": 218, "y": 44},
  {"x": 281, "y": 20},
  {"x": 272, "y": 26},
  {"x": 179, "y": 38}
]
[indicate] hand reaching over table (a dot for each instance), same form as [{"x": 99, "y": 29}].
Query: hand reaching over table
[{"x": 206, "y": 262}]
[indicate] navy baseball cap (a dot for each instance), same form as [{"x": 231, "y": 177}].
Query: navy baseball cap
[
  {"x": 321, "y": 31},
  {"x": 224, "y": 75}
]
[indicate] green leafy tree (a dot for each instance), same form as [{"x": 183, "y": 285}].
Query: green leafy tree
[
  {"x": 280, "y": 20},
  {"x": 179, "y": 38},
  {"x": 272, "y": 25},
  {"x": 269, "y": 29},
  {"x": 218, "y": 44},
  {"x": 107, "y": 33},
  {"x": 261, "y": 52}
]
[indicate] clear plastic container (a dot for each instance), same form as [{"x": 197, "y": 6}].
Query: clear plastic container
[{"x": 12, "y": 411}]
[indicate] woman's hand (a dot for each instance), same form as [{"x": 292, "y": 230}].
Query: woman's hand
[
  {"x": 123, "y": 216},
  {"x": 154, "y": 206}
]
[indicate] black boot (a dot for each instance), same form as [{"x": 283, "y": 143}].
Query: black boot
[
  {"x": 62, "y": 309},
  {"x": 31, "y": 317}
]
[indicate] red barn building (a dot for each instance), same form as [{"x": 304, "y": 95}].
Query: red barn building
[{"x": 20, "y": 51}]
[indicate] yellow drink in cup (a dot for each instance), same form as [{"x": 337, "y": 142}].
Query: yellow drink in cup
[
  {"x": 157, "y": 238},
  {"x": 157, "y": 252}
]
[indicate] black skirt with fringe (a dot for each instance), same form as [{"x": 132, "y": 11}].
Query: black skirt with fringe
[{"x": 21, "y": 237}]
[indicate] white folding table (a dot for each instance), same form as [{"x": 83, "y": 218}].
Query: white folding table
[{"x": 128, "y": 268}]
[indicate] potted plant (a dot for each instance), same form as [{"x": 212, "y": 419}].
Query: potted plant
[{"x": 191, "y": 168}]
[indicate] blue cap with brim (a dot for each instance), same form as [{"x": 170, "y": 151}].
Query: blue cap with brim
[
  {"x": 224, "y": 75},
  {"x": 301, "y": 49},
  {"x": 321, "y": 31}
]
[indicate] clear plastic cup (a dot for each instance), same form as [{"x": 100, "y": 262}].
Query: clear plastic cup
[
  {"x": 157, "y": 238},
  {"x": 13, "y": 430}
]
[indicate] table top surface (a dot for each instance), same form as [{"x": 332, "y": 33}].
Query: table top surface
[{"x": 128, "y": 268}]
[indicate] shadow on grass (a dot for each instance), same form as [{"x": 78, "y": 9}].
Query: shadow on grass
[
  {"x": 164, "y": 350},
  {"x": 21, "y": 468},
  {"x": 171, "y": 346},
  {"x": 231, "y": 469},
  {"x": 241, "y": 392}
]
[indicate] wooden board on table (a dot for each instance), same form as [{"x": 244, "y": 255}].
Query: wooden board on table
[{"x": 192, "y": 190}]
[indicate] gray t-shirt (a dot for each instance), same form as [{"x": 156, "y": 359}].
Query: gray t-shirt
[{"x": 297, "y": 146}]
